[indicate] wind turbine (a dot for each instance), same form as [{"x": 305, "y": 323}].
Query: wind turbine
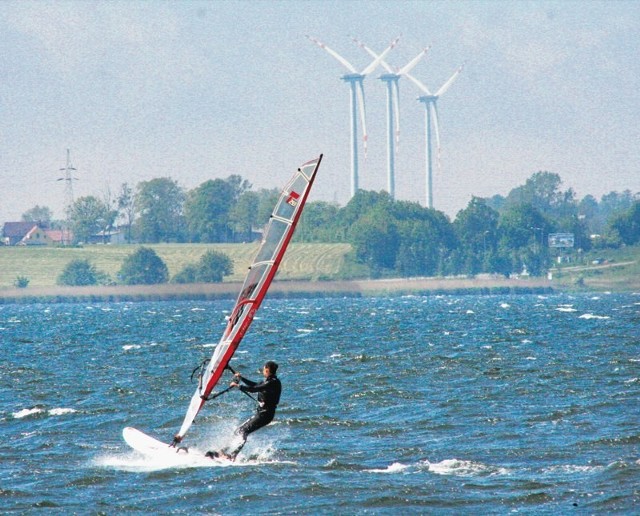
[
  {"x": 355, "y": 80},
  {"x": 393, "y": 102},
  {"x": 431, "y": 112}
]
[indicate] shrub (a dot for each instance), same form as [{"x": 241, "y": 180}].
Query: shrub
[
  {"x": 78, "y": 273},
  {"x": 21, "y": 282},
  {"x": 143, "y": 267},
  {"x": 188, "y": 274},
  {"x": 211, "y": 268}
]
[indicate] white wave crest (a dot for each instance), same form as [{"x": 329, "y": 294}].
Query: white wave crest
[
  {"x": 27, "y": 412},
  {"x": 592, "y": 316},
  {"x": 396, "y": 467},
  {"x": 464, "y": 468},
  {"x": 61, "y": 411}
]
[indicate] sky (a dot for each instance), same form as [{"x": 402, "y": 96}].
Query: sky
[{"x": 202, "y": 90}]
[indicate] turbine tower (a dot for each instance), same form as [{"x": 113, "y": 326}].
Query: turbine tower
[
  {"x": 355, "y": 80},
  {"x": 431, "y": 116},
  {"x": 391, "y": 79}
]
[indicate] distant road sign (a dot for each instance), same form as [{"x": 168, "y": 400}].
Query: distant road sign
[{"x": 561, "y": 239}]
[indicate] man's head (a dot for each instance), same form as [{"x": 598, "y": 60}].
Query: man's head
[{"x": 270, "y": 368}]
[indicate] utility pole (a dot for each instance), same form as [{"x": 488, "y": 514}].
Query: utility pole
[{"x": 68, "y": 196}]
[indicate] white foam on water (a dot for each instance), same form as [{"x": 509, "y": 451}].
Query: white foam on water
[
  {"x": 61, "y": 411},
  {"x": 592, "y": 316},
  {"x": 258, "y": 452},
  {"x": 128, "y": 347},
  {"x": 463, "y": 468},
  {"x": 396, "y": 467},
  {"x": 27, "y": 412},
  {"x": 572, "y": 468}
]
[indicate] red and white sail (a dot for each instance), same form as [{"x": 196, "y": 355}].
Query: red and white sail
[{"x": 275, "y": 240}]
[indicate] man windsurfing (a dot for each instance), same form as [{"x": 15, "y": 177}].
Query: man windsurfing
[{"x": 268, "y": 398}]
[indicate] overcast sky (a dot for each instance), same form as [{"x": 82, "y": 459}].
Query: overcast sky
[{"x": 199, "y": 90}]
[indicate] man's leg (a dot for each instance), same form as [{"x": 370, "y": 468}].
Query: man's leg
[{"x": 250, "y": 425}]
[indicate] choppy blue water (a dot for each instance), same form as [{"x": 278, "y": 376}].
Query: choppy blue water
[{"x": 475, "y": 404}]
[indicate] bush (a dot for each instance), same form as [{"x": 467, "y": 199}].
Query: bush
[
  {"x": 21, "y": 282},
  {"x": 143, "y": 267},
  {"x": 188, "y": 274},
  {"x": 210, "y": 269},
  {"x": 78, "y": 273}
]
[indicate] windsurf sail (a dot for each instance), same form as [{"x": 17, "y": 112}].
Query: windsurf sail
[{"x": 276, "y": 238}]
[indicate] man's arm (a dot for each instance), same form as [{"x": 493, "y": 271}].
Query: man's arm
[
  {"x": 256, "y": 387},
  {"x": 240, "y": 378}
]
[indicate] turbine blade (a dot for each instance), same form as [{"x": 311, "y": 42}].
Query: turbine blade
[
  {"x": 411, "y": 64},
  {"x": 364, "y": 47},
  {"x": 417, "y": 83},
  {"x": 334, "y": 54},
  {"x": 379, "y": 59},
  {"x": 363, "y": 117},
  {"x": 447, "y": 84}
]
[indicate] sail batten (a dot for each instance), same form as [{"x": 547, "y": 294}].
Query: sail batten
[{"x": 276, "y": 238}]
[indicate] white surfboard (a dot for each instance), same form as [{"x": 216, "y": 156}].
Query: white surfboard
[
  {"x": 147, "y": 445},
  {"x": 156, "y": 450}
]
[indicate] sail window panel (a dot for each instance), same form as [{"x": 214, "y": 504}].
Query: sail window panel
[
  {"x": 308, "y": 168},
  {"x": 291, "y": 198},
  {"x": 252, "y": 281},
  {"x": 272, "y": 240}
]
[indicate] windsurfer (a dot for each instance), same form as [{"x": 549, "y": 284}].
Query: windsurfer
[{"x": 268, "y": 398}]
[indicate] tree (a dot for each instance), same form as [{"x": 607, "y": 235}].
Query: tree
[
  {"x": 318, "y": 223},
  {"x": 88, "y": 216},
  {"x": 477, "y": 230},
  {"x": 589, "y": 211},
  {"x": 207, "y": 210},
  {"x": 266, "y": 202},
  {"x": 375, "y": 240},
  {"x": 243, "y": 215},
  {"x": 143, "y": 267},
  {"x": 160, "y": 204},
  {"x": 127, "y": 207},
  {"x": 79, "y": 272},
  {"x": 542, "y": 191},
  {"x": 521, "y": 231},
  {"x": 627, "y": 225},
  {"x": 426, "y": 239},
  {"x": 39, "y": 214}
]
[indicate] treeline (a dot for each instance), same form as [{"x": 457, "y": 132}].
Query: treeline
[{"x": 501, "y": 234}]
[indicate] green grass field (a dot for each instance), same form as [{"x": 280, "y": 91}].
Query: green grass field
[
  {"x": 618, "y": 270},
  {"x": 42, "y": 266},
  {"x": 615, "y": 270}
]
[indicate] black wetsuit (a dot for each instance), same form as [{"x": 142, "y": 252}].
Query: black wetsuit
[{"x": 268, "y": 398}]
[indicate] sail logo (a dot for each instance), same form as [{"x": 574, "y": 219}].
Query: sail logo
[{"x": 293, "y": 199}]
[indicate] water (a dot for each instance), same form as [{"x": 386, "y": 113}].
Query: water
[{"x": 490, "y": 404}]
